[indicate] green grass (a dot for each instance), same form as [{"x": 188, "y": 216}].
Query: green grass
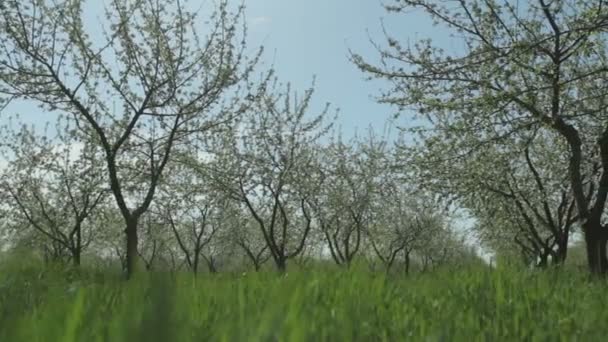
[{"x": 477, "y": 304}]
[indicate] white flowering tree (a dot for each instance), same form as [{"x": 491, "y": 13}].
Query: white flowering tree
[{"x": 137, "y": 83}]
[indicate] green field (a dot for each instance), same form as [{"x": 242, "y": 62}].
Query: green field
[{"x": 467, "y": 304}]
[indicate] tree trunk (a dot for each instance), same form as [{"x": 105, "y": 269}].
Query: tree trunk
[
  {"x": 596, "y": 239},
  {"x": 76, "y": 257},
  {"x": 561, "y": 253},
  {"x": 281, "y": 264},
  {"x": 406, "y": 261},
  {"x": 196, "y": 262},
  {"x": 132, "y": 242},
  {"x": 211, "y": 264},
  {"x": 542, "y": 262},
  {"x": 348, "y": 262},
  {"x": 78, "y": 249}
]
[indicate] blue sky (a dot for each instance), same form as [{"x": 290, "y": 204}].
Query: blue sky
[{"x": 312, "y": 37}]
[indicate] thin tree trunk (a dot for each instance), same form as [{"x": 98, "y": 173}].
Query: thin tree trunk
[
  {"x": 211, "y": 264},
  {"x": 543, "y": 262},
  {"x": 195, "y": 265},
  {"x": 76, "y": 257},
  {"x": 561, "y": 253},
  {"x": 132, "y": 242},
  {"x": 78, "y": 250},
  {"x": 281, "y": 264}
]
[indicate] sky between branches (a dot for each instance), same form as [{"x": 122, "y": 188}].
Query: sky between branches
[{"x": 305, "y": 39}]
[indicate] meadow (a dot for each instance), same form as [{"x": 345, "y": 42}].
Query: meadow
[{"x": 473, "y": 303}]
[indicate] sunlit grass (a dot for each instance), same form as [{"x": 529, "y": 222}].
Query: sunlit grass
[{"x": 474, "y": 304}]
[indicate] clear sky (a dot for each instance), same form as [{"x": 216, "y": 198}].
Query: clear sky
[{"x": 313, "y": 37}]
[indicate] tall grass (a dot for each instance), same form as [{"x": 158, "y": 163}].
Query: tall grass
[{"x": 475, "y": 304}]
